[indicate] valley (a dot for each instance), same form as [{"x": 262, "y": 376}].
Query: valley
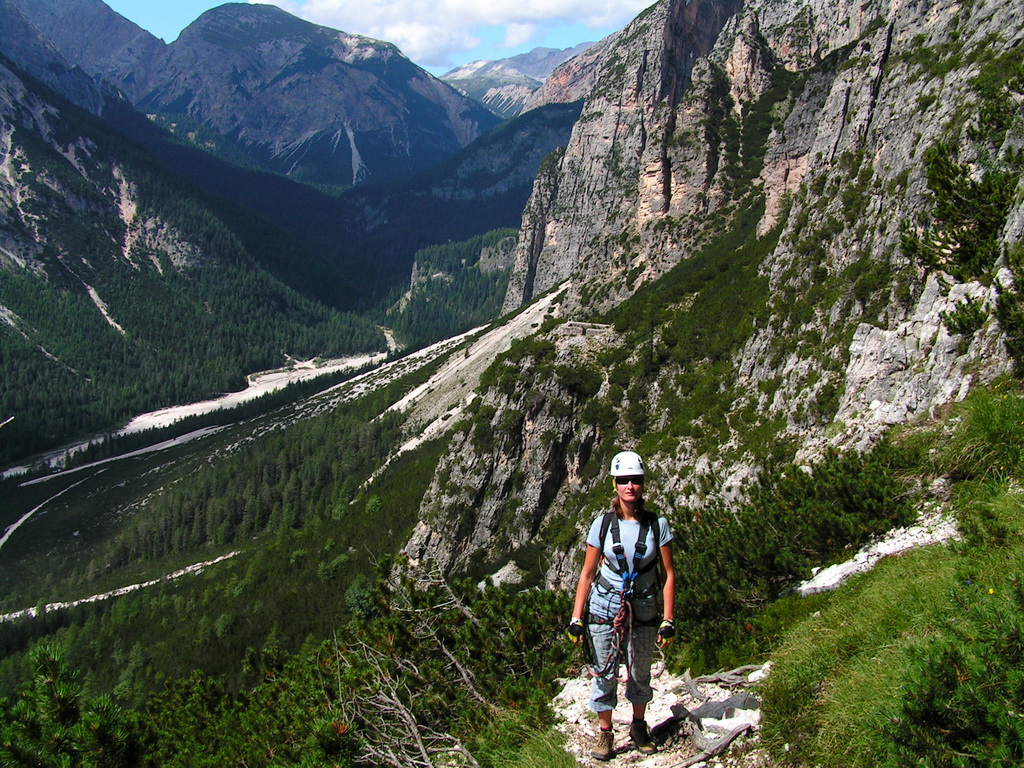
[
  {"x": 776, "y": 247},
  {"x": 428, "y": 410},
  {"x": 259, "y": 384}
]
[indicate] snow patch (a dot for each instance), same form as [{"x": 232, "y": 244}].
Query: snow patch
[
  {"x": 196, "y": 568},
  {"x": 933, "y": 527},
  {"x": 102, "y": 307},
  {"x": 466, "y": 71}
]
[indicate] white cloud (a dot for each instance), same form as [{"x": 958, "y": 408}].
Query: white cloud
[
  {"x": 519, "y": 34},
  {"x": 431, "y": 32}
]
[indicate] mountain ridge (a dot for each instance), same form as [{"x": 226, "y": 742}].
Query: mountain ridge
[
  {"x": 294, "y": 105},
  {"x": 506, "y": 85}
]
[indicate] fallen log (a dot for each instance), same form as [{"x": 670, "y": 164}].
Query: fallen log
[{"x": 714, "y": 749}]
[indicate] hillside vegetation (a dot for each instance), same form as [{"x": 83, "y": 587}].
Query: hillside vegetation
[
  {"x": 123, "y": 288},
  {"x": 867, "y": 675}
]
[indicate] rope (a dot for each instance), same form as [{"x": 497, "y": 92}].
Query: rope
[{"x": 622, "y": 624}]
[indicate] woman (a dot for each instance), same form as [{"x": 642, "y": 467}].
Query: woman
[{"x": 617, "y": 602}]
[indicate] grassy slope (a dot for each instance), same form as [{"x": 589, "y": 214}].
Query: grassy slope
[{"x": 918, "y": 662}]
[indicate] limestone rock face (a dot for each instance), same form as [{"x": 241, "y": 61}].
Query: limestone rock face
[
  {"x": 898, "y": 373},
  {"x": 640, "y": 75},
  {"x": 492, "y": 491},
  {"x": 806, "y": 124},
  {"x": 571, "y": 81}
]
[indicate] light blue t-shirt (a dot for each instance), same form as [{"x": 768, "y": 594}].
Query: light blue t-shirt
[{"x": 629, "y": 530}]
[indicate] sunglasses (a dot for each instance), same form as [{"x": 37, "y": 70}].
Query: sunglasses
[{"x": 634, "y": 479}]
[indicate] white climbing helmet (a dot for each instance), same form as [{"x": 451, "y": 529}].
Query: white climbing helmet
[{"x": 627, "y": 463}]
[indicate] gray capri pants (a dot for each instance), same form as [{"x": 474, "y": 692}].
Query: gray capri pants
[{"x": 637, "y": 648}]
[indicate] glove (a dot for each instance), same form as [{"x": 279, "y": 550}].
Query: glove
[
  {"x": 666, "y": 632},
  {"x": 575, "y": 631}
]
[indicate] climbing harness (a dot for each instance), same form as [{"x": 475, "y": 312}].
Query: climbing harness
[
  {"x": 624, "y": 621},
  {"x": 648, "y": 522}
]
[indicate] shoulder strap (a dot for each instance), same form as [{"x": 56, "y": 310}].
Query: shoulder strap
[
  {"x": 606, "y": 522},
  {"x": 656, "y": 563},
  {"x": 639, "y": 551},
  {"x": 620, "y": 552}
]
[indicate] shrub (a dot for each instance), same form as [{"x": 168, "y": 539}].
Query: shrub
[
  {"x": 987, "y": 441},
  {"x": 961, "y": 702},
  {"x": 736, "y": 564}
]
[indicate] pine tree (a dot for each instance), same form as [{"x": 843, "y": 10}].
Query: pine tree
[{"x": 48, "y": 726}]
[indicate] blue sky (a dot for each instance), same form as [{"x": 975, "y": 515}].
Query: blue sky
[{"x": 436, "y": 34}]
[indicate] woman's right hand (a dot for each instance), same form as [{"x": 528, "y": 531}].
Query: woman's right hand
[{"x": 575, "y": 631}]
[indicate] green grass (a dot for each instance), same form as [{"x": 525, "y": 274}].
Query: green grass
[
  {"x": 919, "y": 661},
  {"x": 513, "y": 743}
]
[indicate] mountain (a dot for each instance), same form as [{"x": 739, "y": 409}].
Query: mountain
[
  {"x": 262, "y": 87},
  {"x": 505, "y": 85},
  {"x": 306, "y": 258},
  {"x": 373, "y": 229},
  {"x": 540, "y": 62},
  {"x": 92, "y": 36},
  {"x": 779, "y": 256},
  {"x": 482, "y": 188},
  {"x": 21, "y": 42},
  {"x": 122, "y": 286},
  {"x": 572, "y": 80},
  {"x": 758, "y": 201}
]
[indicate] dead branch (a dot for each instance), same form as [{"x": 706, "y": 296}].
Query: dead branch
[
  {"x": 434, "y": 578},
  {"x": 690, "y": 686},
  {"x": 423, "y": 624},
  {"x": 730, "y": 679},
  {"x": 714, "y": 748},
  {"x": 467, "y": 677},
  {"x": 388, "y": 729}
]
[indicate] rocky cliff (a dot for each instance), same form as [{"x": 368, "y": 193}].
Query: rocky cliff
[
  {"x": 91, "y": 35},
  {"x": 22, "y": 44},
  {"x": 777, "y": 191},
  {"x": 630, "y": 114}
]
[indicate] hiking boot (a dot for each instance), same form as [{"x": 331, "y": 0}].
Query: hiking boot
[
  {"x": 642, "y": 737},
  {"x": 604, "y": 749}
]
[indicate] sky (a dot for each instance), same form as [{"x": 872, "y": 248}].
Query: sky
[{"x": 436, "y": 34}]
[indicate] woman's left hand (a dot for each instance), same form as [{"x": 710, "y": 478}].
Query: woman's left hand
[{"x": 666, "y": 632}]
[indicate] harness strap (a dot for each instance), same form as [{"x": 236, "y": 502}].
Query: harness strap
[
  {"x": 639, "y": 552},
  {"x": 655, "y": 622},
  {"x": 649, "y": 592}
]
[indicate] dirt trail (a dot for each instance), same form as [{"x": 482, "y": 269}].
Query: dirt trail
[{"x": 669, "y": 731}]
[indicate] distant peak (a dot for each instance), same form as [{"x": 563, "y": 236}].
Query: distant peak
[{"x": 244, "y": 24}]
